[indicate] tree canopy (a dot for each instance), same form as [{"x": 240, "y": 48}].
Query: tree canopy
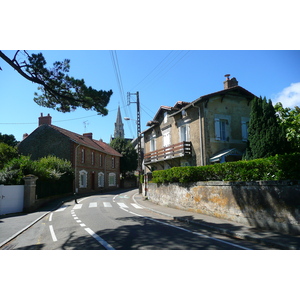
[
  {"x": 128, "y": 162},
  {"x": 289, "y": 119},
  {"x": 58, "y": 90},
  {"x": 265, "y": 136}
]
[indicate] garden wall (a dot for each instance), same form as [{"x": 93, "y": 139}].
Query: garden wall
[{"x": 273, "y": 205}]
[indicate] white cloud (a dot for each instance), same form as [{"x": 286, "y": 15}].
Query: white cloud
[{"x": 289, "y": 96}]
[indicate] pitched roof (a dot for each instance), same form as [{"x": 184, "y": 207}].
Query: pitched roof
[{"x": 86, "y": 141}]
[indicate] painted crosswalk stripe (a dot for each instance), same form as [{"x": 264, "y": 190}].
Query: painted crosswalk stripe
[
  {"x": 93, "y": 204},
  {"x": 62, "y": 208},
  {"x": 107, "y": 204},
  {"x": 77, "y": 206},
  {"x": 123, "y": 205},
  {"x": 136, "y": 206}
]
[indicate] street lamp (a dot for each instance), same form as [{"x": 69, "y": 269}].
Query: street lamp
[{"x": 139, "y": 152}]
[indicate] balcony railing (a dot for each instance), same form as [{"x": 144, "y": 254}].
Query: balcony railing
[{"x": 169, "y": 152}]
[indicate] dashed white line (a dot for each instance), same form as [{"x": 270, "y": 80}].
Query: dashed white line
[
  {"x": 77, "y": 206},
  {"x": 50, "y": 217},
  {"x": 52, "y": 233},
  {"x": 107, "y": 204}
]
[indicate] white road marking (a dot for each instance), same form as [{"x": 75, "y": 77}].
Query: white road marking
[
  {"x": 136, "y": 206},
  {"x": 78, "y": 221},
  {"x": 107, "y": 204},
  {"x": 52, "y": 234},
  {"x": 122, "y": 205},
  {"x": 62, "y": 208},
  {"x": 106, "y": 245},
  {"x": 50, "y": 218},
  {"x": 93, "y": 204},
  {"x": 77, "y": 206},
  {"x": 75, "y": 218},
  {"x": 82, "y": 225}
]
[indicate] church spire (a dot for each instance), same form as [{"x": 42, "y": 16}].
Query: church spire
[{"x": 119, "y": 126}]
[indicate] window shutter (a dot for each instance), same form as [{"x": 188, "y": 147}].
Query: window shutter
[
  {"x": 217, "y": 130},
  {"x": 244, "y": 131}
]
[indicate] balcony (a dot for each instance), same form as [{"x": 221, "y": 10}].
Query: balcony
[{"x": 170, "y": 152}]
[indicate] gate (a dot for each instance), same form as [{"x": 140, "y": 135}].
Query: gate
[{"x": 11, "y": 199}]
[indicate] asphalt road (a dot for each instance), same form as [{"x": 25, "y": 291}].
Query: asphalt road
[{"x": 116, "y": 222}]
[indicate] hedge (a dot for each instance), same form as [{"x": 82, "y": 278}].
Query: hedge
[{"x": 279, "y": 167}]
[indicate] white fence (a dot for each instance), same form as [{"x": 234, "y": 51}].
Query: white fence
[{"x": 11, "y": 199}]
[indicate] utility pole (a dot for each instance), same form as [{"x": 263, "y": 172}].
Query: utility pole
[{"x": 138, "y": 123}]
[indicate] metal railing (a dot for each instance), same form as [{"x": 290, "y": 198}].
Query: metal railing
[{"x": 169, "y": 152}]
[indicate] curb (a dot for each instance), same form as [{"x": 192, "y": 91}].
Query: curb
[{"x": 28, "y": 226}]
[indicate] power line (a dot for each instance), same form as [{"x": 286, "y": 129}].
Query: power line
[{"x": 115, "y": 62}]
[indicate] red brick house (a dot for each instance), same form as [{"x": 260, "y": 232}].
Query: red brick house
[{"x": 96, "y": 164}]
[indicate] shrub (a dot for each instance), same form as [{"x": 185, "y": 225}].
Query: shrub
[{"x": 279, "y": 167}]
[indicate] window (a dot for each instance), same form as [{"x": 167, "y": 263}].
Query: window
[
  {"x": 112, "y": 179},
  {"x": 245, "y": 126},
  {"x": 83, "y": 179},
  {"x": 184, "y": 133},
  {"x": 82, "y": 155},
  {"x": 113, "y": 162},
  {"x": 166, "y": 137},
  {"x": 100, "y": 179},
  {"x": 165, "y": 117},
  {"x": 152, "y": 142},
  {"x": 100, "y": 160},
  {"x": 221, "y": 129},
  {"x": 93, "y": 158}
]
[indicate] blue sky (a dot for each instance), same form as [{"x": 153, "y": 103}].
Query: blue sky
[{"x": 162, "y": 77}]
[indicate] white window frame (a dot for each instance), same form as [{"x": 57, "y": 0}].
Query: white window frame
[
  {"x": 83, "y": 179},
  {"x": 82, "y": 155},
  {"x": 222, "y": 127},
  {"x": 152, "y": 142},
  {"x": 184, "y": 133},
  {"x": 93, "y": 158},
  {"x": 112, "y": 179},
  {"x": 245, "y": 126},
  {"x": 101, "y": 179},
  {"x": 113, "y": 162}
]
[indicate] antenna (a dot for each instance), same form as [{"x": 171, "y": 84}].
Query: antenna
[{"x": 86, "y": 123}]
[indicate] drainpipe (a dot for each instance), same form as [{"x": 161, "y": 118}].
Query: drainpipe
[{"x": 200, "y": 133}]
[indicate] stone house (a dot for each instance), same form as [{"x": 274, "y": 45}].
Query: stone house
[
  {"x": 96, "y": 164},
  {"x": 211, "y": 129}
]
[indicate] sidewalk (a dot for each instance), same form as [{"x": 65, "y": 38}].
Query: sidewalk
[
  {"x": 225, "y": 227},
  {"x": 14, "y": 224}
]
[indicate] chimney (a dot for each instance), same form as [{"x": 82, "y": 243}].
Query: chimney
[
  {"x": 88, "y": 135},
  {"x": 25, "y": 135},
  {"x": 229, "y": 83},
  {"x": 45, "y": 120}
]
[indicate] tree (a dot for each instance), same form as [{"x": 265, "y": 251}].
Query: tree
[
  {"x": 8, "y": 139},
  {"x": 7, "y": 153},
  {"x": 58, "y": 90},
  {"x": 265, "y": 136},
  {"x": 128, "y": 162},
  {"x": 289, "y": 119}
]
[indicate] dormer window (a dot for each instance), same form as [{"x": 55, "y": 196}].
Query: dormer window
[{"x": 165, "y": 117}]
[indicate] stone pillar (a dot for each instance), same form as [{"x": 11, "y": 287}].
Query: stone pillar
[{"x": 29, "y": 192}]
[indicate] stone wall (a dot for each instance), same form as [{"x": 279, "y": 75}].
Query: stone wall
[{"x": 273, "y": 205}]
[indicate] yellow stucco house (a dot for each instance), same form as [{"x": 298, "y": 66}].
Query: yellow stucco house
[{"x": 211, "y": 129}]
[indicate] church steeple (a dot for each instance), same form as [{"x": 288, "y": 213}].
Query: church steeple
[{"x": 119, "y": 126}]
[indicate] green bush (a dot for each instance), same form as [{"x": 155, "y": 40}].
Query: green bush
[
  {"x": 46, "y": 168},
  {"x": 279, "y": 167}
]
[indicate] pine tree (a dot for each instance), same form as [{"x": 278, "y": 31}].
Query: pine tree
[{"x": 265, "y": 136}]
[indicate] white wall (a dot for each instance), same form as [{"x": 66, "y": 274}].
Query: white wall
[{"x": 11, "y": 199}]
